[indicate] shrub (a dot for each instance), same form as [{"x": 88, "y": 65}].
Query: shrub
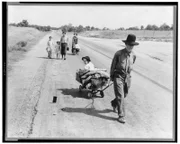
[
  {"x": 22, "y": 44},
  {"x": 24, "y": 23}
]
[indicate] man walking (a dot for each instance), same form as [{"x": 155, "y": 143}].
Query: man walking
[
  {"x": 121, "y": 68},
  {"x": 74, "y": 41},
  {"x": 64, "y": 44}
]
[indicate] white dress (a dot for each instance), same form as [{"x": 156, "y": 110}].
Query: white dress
[
  {"x": 50, "y": 45},
  {"x": 89, "y": 66}
]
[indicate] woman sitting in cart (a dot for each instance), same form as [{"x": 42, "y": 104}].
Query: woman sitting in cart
[{"x": 88, "y": 64}]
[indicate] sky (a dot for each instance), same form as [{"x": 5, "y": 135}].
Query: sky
[{"x": 100, "y": 16}]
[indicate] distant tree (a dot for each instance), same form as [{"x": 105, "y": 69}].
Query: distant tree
[
  {"x": 24, "y": 23},
  {"x": 48, "y": 28},
  {"x": 71, "y": 29},
  {"x": 154, "y": 27},
  {"x": 105, "y": 28},
  {"x": 142, "y": 27},
  {"x": 12, "y": 24},
  {"x": 80, "y": 28},
  {"x": 149, "y": 27},
  {"x": 97, "y": 29},
  {"x": 92, "y": 28},
  {"x": 133, "y": 28},
  {"x": 69, "y": 25},
  {"x": 88, "y": 28},
  {"x": 171, "y": 27},
  {"x": 64, "y": 28},
  {"x": 164, "y": 27},
  {"x": 54, "y": 28},
  {"x": 121, "y": 28}
]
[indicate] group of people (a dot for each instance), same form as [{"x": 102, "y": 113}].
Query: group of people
[
  {"x": 120, "y": 70},
  {"x": 61, "y": 47}
]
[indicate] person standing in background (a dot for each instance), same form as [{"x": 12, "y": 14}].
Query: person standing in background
[
  {"x": 57, "y": 49},
  {"x": 64, "y": 45},
  {"x": 74, "y": 41},
  {"x": 49, "y": 48}
]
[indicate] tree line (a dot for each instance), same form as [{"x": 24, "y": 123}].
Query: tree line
[
  {"x": 163, "y": 27},
  {"x": 80, "y": 28},
  {"x": 24, "y": 23}
]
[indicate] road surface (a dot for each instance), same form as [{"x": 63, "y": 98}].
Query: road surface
[{"x": 35, "y": 80}]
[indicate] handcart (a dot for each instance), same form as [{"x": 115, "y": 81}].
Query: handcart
[
  {"x": 75, "y": 49},
  {"x": 98, "y": 81}
]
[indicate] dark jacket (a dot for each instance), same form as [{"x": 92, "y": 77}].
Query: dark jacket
[{"x": 122, "y": 66}]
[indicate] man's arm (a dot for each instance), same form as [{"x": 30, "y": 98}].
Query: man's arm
[
  {"x": 134, "y": 59},
  {"x": 113, "y": 65}
]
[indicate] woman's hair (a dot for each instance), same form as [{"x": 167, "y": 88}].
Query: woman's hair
[{"x": 87, "y": 58}]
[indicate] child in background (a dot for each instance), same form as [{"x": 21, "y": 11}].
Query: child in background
[
  {"x": 49, "y": 48},
  {"x": 57, "y": 49}
]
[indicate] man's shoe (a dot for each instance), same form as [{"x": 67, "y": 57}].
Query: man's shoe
[
  {"x": 121, "y": 120},
  {"x": 115, "y": 109}
]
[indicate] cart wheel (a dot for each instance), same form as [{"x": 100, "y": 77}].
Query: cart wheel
[
  {"x": 80, "y": 88},
  {"x": 102, "y": 94},
  {"x": 90, "y": 95}
]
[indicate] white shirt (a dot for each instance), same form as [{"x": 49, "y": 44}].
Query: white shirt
[
  {"x": 89, "y": 66},
  {"x": 64, "y": 39},
  {"x": 50, "y": 43}
]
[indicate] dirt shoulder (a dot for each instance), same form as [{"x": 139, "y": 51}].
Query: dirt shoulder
[
  {"x": 23, "y": 88},
  {"x": 20, "y": 41}
]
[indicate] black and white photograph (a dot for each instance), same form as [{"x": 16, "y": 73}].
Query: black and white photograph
[{"x": 90, "y": 71}]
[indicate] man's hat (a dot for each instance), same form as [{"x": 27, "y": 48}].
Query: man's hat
[
  {"x": 87, "y": 58},
  {"x": 131, "y": 40}
]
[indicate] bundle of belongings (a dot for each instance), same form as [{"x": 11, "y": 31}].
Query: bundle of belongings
[
  {"x": 77, "y": 46},
  {"x": 93, "y": 80}
]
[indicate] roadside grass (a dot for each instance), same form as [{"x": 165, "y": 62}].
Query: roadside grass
[
  {"x": 142, "y": 35},
  {"x": 20, "y": 41}
]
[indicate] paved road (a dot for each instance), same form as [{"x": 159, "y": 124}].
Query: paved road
[{"x": 36, "y": 80}]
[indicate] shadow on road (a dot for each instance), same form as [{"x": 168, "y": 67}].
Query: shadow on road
[
  {"x": 91, "y": 112},
  {"x": 49, "y": 58},
  {"x": 70, "y": 54},
  {"x": 76, "y": 94}
]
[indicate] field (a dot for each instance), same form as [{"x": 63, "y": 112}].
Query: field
[
  {"x": 145, "y": 35},
  {"x": 20, "y": 40}
]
